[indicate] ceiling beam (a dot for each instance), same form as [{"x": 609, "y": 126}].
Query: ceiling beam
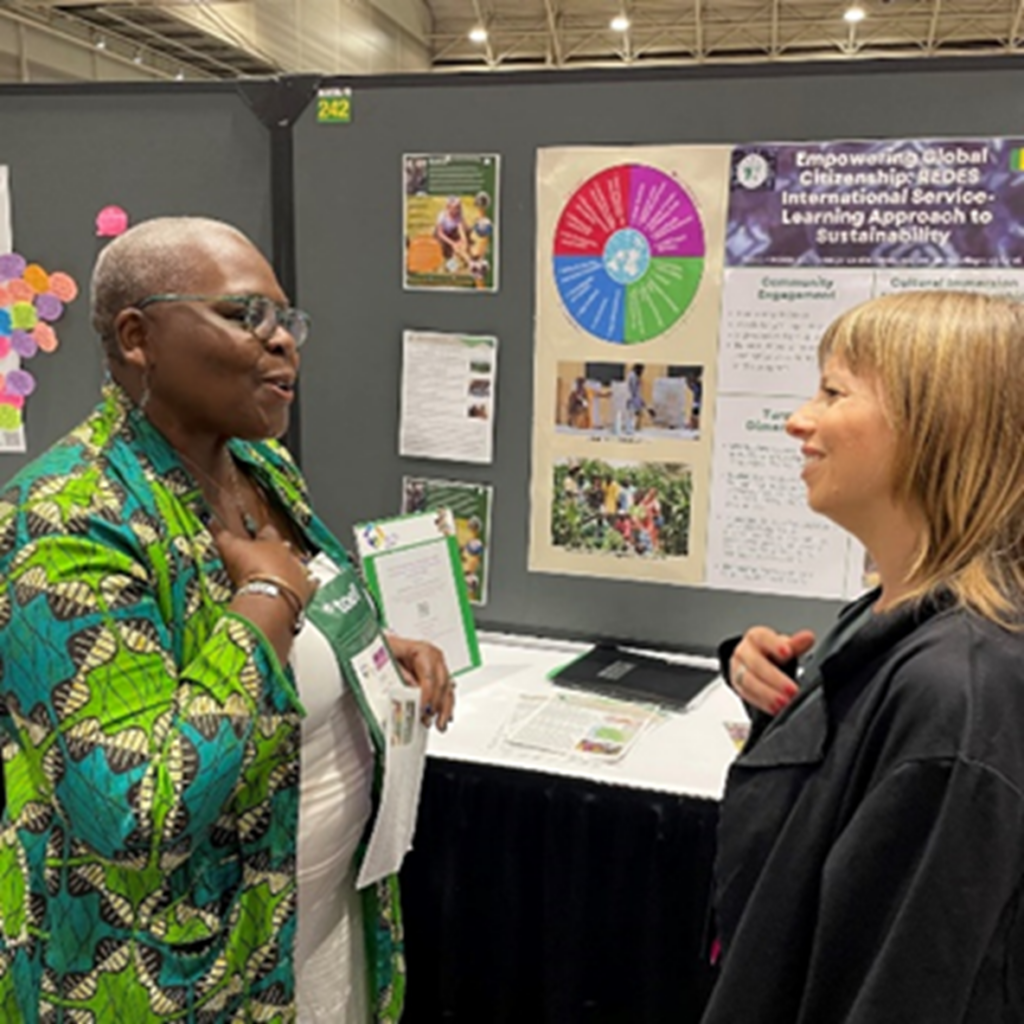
[
  {"x": 1018, "y": 16},
  {"x": 23, "y": 21},
  {"x": 933, "y": 26},
  {"x": 488, "y": 47},
  {"x": 556, "y": 39},
  {"x": 170, "y": 48}
]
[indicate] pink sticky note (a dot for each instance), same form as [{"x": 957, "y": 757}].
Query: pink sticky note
[
  {"x": 62, "y": 285},
  {"x": 45, "y": 337},
  {"x": 111, "y": 221},
  {"x": 20, "y": 290}
]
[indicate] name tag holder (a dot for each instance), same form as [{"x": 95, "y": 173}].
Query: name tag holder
[{"x": 344, "y": 613}]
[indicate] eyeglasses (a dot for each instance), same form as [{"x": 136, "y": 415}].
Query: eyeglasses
[{"x": 257, "y": 313}]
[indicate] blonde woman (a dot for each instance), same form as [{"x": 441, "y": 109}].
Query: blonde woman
[{"x": 871, "y": 844}]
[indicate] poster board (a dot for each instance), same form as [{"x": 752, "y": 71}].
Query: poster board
[
  {"x": 155, "y": 150},
  {"x": 350, "y": 282}
]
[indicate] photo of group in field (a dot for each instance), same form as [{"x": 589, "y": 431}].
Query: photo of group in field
[{"x": 625, "y": 509}]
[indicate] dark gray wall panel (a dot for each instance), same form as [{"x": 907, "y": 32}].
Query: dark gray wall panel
[
  {"x": 348, "y": 203},
  {"x": 154, "y": 151}
]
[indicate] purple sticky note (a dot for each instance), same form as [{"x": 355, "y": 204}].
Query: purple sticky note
[
  {"x": 24, "y": 344},
  {"x": 21, "y": 382},
  {"x": 11, "y": 266},
  {"x": 49, "y": 307}
]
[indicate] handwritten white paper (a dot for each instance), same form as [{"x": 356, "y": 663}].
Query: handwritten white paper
[
  {"x": 762, "y": 536},
  {"x": 772, "y": 321}
]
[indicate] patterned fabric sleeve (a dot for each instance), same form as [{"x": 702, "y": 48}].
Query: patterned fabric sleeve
[{"x": 138, "y": 756}]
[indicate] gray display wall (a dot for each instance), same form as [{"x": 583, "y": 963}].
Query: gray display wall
[
  {"x": 154, "y": 150},
  {"x": 348, "y": 189}
]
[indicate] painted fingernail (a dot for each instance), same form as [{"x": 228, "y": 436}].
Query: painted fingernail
[{"x": 785, "y": 653}]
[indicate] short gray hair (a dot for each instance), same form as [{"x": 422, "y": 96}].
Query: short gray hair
[{"x": 152, "y": 258}]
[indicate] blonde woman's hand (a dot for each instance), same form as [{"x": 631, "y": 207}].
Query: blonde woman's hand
[{"x": 754, "y": 668}]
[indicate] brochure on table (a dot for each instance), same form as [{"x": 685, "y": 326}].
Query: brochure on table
[{"x": 412, "y": 565}]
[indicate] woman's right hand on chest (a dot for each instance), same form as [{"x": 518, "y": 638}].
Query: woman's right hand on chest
[
  {"x": 266, "y": 555},
  {"x": 755, "y": 671}
]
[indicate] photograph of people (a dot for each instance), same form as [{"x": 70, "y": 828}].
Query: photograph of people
[
  {"x": 628, "y": 401},
  {"x": 189, "y": 757},
  {"x": 469, "y": 506},
  {"x": 578, "y": 405},
  {"x": 870, "y": 865},
  {"x": 625, "y": 509},
  {"x": 450, "y": 233},
  {"x": 450, "y": 216},
  {"x": 635, "y": 404},
  {"x": 416, "y": 174},
  {"x": 481, "y": 231}
]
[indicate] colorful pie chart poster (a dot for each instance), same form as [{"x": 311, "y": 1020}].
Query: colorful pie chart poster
[
  {"x": 628, "y": 254},
  {"x": 629, "y": 257}
]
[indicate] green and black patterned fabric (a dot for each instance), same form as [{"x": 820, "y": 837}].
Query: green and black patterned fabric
[{"x": 151, "y": 749}]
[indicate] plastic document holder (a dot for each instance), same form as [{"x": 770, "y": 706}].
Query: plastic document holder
[{"x": 625, "y": 675}]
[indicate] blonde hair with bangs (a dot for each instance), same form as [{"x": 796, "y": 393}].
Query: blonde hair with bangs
[{"x": 950, "y": 369}]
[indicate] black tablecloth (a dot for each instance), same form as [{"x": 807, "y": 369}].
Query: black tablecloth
[{"x": 546, "y": 900}]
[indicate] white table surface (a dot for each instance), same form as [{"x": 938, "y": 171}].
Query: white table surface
[{"x": 687, "y": 753}]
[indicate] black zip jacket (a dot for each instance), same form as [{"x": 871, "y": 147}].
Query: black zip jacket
[{"x": 870, "y": 864}]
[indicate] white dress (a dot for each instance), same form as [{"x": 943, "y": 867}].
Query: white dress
[{"x": 334, "y": 807}]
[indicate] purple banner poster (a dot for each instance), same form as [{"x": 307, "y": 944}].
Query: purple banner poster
[{"x": 887, "y": 203}]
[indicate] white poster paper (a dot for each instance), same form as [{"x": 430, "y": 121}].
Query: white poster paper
[
  {"x": 772, "y": 321},
  {"x": 448, "y": 385},
  {"x": 405, "y": 736},
  {"x": 763, "y": 537}
]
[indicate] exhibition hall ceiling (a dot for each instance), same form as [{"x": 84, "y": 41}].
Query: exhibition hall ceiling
[
  {"x": 264, "y": 37},
  {"x": 567, "y": 33}
]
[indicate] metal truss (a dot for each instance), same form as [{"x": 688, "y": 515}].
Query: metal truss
[{"x": 524, "y": 34}]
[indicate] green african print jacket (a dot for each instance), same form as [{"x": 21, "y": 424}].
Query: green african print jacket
[{"x": 151, "y": 749}]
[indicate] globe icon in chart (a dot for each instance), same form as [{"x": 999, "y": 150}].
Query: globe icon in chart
[{"x": 628, "y": 254}]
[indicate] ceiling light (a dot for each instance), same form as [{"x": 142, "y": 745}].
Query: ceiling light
[
  {"x": 101, "y": 43},
  {"x": 620, "y": 23},
  {"x": 180, "y": 76},
  {"x": 854, "y": 14},
  {"x": 137, "y": 59},
  {"x": 478, "y": 34}
]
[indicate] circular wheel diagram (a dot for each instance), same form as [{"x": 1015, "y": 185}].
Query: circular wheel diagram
[{"x": 628, "y": 254}]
